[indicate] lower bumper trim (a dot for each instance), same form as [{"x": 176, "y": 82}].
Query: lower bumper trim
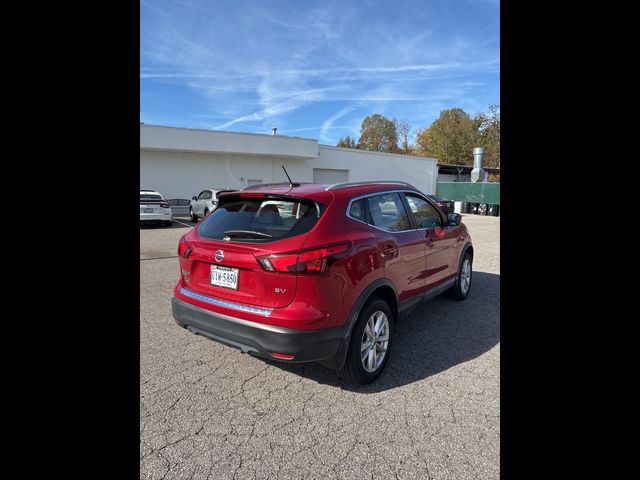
[{"x": 257, "y": 338}]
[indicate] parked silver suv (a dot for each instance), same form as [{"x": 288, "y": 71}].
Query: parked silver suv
[{"x": 205, "y": 203}]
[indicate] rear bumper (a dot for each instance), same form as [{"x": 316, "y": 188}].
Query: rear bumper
[
  {"x": 257, "y": 338},
  {"x": 156, "y": 217}
]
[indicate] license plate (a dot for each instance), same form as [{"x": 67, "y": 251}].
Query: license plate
[
  {"x": 147, "y": 210},
  {"x": 224, "y": 277}
]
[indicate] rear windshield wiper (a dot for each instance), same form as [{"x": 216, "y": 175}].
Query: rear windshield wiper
[{"x": 247, "y": 234}]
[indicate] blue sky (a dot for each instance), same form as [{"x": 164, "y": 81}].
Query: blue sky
[{"x": 315, "y": 69}]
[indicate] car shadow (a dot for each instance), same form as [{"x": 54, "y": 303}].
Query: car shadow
[{"x": 438, "y": 335}]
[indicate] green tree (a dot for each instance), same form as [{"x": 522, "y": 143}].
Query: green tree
[
  {"x": 489, "y": 130},
  {"x": 451, "y": 138},
  {"x": 347, "y": 142},
  {"x": 379, "y": 134}
]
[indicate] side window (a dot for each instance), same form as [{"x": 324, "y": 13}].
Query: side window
[
  {"x": 426, "y": 216},
  {"x": 202, "y": 195},
  {"x": 387, "y": 212},
  {"x": 207, "y": 194},
  {"x": 357, "y": 210}
]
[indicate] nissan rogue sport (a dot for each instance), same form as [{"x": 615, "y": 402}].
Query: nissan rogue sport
[{"x": 301, "y": 273}]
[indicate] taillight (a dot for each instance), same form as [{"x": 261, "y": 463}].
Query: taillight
[
  {"x": 279, "y": 263},
  {"x": 165, "y": 205},
  {"x": 184, "y": 248},
  {"x": 313, "y": 260},
  {"x": 316, "y": 260}
]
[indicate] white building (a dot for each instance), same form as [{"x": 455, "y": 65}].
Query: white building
[{"x": 180, "y": 162}]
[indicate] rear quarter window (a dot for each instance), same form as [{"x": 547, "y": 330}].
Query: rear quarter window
[{"x": 357, "y": 210}]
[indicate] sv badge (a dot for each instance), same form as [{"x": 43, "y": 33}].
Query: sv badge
[{"x": 280, "y": 290}]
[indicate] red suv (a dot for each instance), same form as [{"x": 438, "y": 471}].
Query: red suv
[{"x": 310, "y": 272}]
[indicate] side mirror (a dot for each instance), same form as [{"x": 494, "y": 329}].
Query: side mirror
[
  {"x": 194, "y": 198},
  {"x": 454, "y": 219}
]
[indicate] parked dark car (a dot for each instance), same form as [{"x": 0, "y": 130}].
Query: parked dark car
[
  {"x": 445, "y": 205},
  {"x": 301, "y": 273}
]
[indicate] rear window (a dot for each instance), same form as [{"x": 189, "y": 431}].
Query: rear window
[
  {"x": 438, "y": 198},
  {"x": 154, "y": 197},
  {"x": 259, "y": 220}
]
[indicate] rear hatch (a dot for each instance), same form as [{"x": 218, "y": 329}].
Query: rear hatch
[{"x": 225, "y": 247}]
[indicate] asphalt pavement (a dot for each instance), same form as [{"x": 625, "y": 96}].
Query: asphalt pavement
[{"x": 208, "y": 411}]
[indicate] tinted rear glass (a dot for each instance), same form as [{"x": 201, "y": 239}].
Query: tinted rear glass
[
  {"x": 259, "y": 220},
  {"x": 150, "y": 197}
]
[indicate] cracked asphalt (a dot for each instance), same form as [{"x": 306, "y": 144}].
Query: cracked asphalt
[{"x": 208, "y": 411}]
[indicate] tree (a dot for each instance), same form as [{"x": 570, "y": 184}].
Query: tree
[
  {"x": 347, "y": 142},
  {"x": 451, "y": 138},
  {"x": 404, "y": 132},
  {"x": 489, "y": 130},
  {"x": 378, "y": 134}
]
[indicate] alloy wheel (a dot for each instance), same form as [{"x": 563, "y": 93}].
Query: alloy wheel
[
  {"x": 465, "y": 276},
  {"x": 375, "y": 341}
]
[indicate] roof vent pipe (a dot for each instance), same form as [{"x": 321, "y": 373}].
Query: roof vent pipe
[
  {"x": 478, "y": 174},
  {"x": 274, "y": 130}
]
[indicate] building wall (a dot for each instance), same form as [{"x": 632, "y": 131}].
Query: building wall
[
  {"x": 233, "y": 158},
  {"x": 363, "y": 165},
  {"x": 185, "y": 174},
  {"x": 330, "y": 175},
  {"x": 156, "y": 137}
]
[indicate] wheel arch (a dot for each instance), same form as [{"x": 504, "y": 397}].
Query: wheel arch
[
  {"x": 381, "y": 288},
  {"x": 467, "y": 248}
]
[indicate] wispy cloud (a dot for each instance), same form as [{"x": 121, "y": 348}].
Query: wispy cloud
[
  {"x": 328, "y": 123},
  {"x": 250, "y": 65}
]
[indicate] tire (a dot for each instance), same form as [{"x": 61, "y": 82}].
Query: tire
[
  {"x": 168, "y": 223},
  {"x": 206, "y": 212},
  {"x": 193, "y": 217},
  {"x": 462, "y": 287},
  {"x": 354, "y": 370}
]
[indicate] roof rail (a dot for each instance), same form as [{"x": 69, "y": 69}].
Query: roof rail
[{"x": 335, "y": 186}]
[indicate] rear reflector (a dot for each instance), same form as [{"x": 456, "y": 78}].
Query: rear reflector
[{"x": 283, "y": 356}]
